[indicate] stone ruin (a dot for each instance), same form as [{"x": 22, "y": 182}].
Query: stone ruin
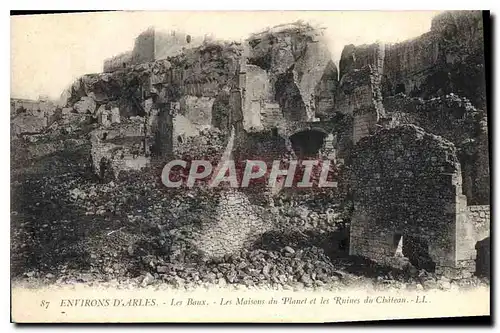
[
  {"x": 408, "y": 201},
  {"x": 279, "y": 95}
]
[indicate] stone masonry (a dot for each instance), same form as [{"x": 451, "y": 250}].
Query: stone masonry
[{"x": 407, "y": 186}]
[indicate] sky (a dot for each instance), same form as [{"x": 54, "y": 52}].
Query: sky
[{"x": 48, "y": 52}]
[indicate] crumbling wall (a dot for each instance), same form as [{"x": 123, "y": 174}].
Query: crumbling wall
[
  {"x": 407, "y": 183},
  {"x": 118, "y": 149},
  {"x": 169, "y": 44},
  {"x": 235, "y": 225},
  {"x": 470, "y": 232},
  {"x": 120, "y": 61},
  {"x": 33, "y": 107},
  {"x": 144, "y": 47},
  {"x": 479, "y": 217},
  {"x": 324, "y": 92},
  {"x": 222, "y": 117},
  {"x": 457, "y": 120},
  {"x": 28, "y": 124},
  {"x": 151, "y": 45},
  {"x": 32, "y": 116},
  {"x": 257, "y": 92},
  {"x": 359, "y": 96},
  {"x": 198, "y": 110}
]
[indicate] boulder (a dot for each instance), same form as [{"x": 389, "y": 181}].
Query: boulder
[{"x": 85, "y": 105}]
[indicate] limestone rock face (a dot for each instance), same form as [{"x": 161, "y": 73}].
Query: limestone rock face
[
  {"x": 447, "y": 59},
  {"x": 85, "y": 105},
  {"x": 298, "y": 63}
]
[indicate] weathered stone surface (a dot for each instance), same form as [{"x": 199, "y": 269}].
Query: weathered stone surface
[
  {"x": 197, "y": 109},
  {"x": 85, "y": 105},
  {"x": 447, "y": 59},
  {"x": 119, "y": 149},
  {"x": 299, "y": 63},
  {"x": 407, "y": 183},
  {"x": 457, "y": 120},
  {"x": 28, "y": 124}
]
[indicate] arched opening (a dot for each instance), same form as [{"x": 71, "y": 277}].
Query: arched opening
[{"x": 307, "y": 143}]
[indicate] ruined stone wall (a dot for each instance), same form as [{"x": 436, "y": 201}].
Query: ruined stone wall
[
  {"x": 363, "y": 124},
  {"x": 406, "y": 183},
  {"x": 169, "y": 44},
  {"x": 356, "y": 57},
  {"x": 31, "y": 116},
  {"x": 325, "y": 92},
  {"x": 479, "y": 216},
  {"x": 359, "y": 96},
  {"x": 33, "y": 107},
  {"x": 118, "y": 149},
  {"x": 455, "y": 119},
  {"x": 264, "y": 145},
  {"x": 197, "y": 109},
  {"x": 144, "y": 47},
  {"x": 271, "y": 115},
  {"x": 471, "y": 231},
  {"x": 120, "y": 61},
  {"x": 151, "y": 45}
]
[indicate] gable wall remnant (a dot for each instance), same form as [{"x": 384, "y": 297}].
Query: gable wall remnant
[{"x": 407, "y": 183}]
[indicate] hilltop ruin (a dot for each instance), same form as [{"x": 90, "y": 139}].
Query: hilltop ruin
[{"x": 405, "y": 124}]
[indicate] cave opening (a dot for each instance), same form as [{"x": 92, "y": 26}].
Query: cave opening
[{"x": 307, "y": 144}]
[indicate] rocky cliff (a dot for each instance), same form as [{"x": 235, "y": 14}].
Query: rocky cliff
[
  {"x": 436, "y": 81},
  {"x": 302, "y": 75},
  {"x": 447, "y": 59}
]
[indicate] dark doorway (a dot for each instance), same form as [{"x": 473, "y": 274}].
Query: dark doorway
[
  {"x": 307, "y": 143},
  {"x": 483, "y": 258},
  {"x": 417, "y": 251},
  {"x": 400, "y": 88}
]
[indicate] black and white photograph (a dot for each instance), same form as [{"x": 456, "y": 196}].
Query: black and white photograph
[{"x": 226, "y": 156}]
